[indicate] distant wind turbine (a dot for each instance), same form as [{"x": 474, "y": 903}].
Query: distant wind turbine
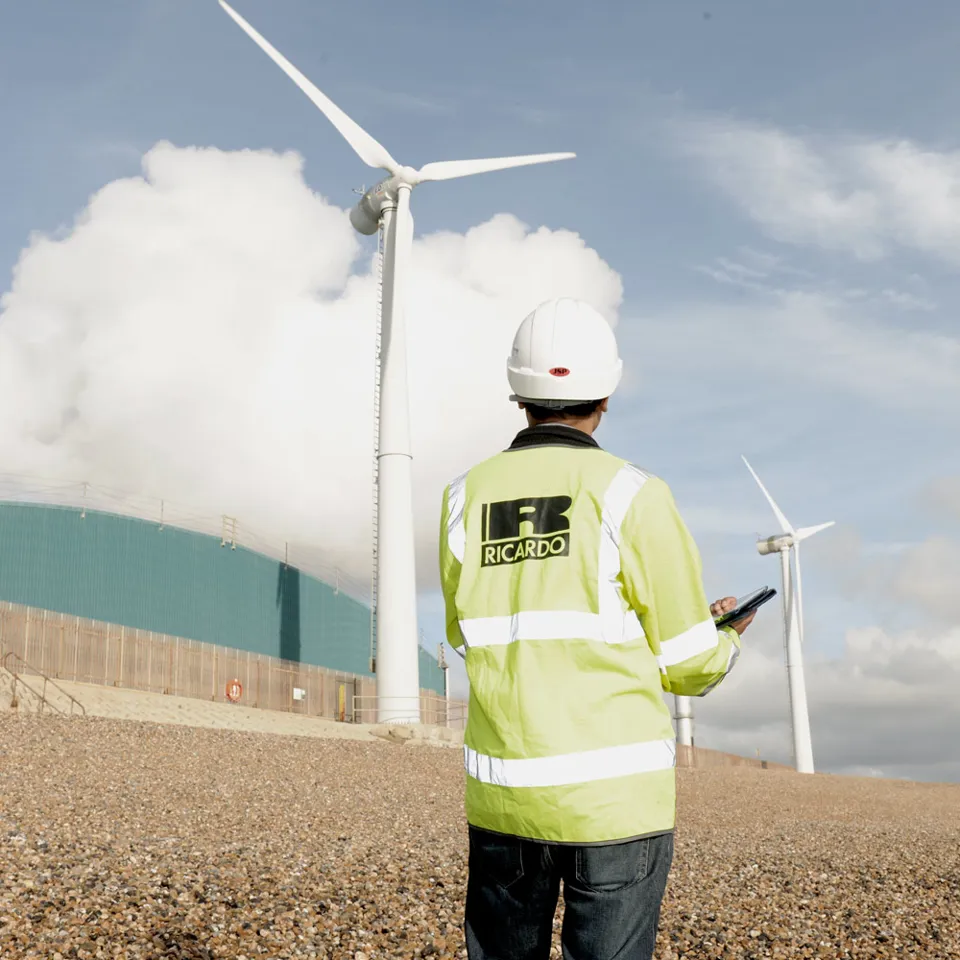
[
  {"x": 386, "y": 208},
  {"x": 789, "y": 539}
]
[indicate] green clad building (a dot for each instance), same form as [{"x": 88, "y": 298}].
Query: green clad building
[{"x": 141, "y": 574}]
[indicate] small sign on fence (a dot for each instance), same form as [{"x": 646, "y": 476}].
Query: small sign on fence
[
  {"x": 234, "y": 690},
  {"x": 299, "y": 693}
]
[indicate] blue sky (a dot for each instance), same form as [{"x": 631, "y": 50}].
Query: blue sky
[{"x": 772, "y": 182}]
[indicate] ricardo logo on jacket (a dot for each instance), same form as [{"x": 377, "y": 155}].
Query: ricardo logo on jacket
[{"x": 532, "y": 528}]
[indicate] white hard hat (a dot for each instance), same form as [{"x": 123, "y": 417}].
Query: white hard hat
[{"x": 564, "y": 353}]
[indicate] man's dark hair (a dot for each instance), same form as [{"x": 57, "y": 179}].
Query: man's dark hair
[{"x": 564, "y": 413}]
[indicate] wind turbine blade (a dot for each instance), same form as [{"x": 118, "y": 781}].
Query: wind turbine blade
[
  {"x": 449, "y": 169},
  {"x": 784, "y": 522},
  {"x": 805, "y": 532},
  {"x": 371, "y": 152}
]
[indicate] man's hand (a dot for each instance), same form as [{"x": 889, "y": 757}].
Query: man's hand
[{"x": 720, "y": 607}]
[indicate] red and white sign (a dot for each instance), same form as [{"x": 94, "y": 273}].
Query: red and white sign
[{"x": 234, "y": 690}]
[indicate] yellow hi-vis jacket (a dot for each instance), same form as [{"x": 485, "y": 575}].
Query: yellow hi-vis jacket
[{"x": 573, "y": 589}]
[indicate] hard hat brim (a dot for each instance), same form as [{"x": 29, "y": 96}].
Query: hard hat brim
[{"x": 551, "y": 404}]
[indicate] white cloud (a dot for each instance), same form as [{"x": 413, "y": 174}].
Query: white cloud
[
  {"x": 814, "y": 338},
  {"x": 860, "y": 195},
  {"x": 204, "y": 333},
  {"x": 928, "y": 576},
  {"x": 780, "y": 280},
  {"x": 784, "y": 183},
  {"x": 906, "y": 300},
  {"x": 887, "y": 703},
  {"x": 399, "y": 100},
  {"x": 920, "y": 577},
  {"x": 944, "y": 497}
]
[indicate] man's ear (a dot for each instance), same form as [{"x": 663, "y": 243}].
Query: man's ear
[{"x": 603, "y": 405}]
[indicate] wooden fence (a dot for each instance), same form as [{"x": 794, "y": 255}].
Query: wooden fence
[{"x": 88, "y": 651}]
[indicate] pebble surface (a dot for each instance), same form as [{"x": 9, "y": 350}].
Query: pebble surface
[{"x": 132, "y": 840}]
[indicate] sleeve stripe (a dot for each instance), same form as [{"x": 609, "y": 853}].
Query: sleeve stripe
[
  {"x": 700, "y": 638},
  {"x": 731, "y": 661},
  {"x": 619, "y": 624},
  {"x": 456, "y": 526}
]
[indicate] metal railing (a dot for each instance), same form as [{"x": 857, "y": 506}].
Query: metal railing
[{"x": 16, "y": 675}]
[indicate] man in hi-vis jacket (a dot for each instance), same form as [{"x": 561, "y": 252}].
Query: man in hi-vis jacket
[{"x": 573, "y": 590}]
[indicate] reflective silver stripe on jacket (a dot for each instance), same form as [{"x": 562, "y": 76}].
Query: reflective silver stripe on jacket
[
  {"x": 613, "y": 624},
  {"x": 586, "y": 766},
  {"x": 456, "y": 528}
]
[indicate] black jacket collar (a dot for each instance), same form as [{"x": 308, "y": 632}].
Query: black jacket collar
[{"x": 552, "y": 434}]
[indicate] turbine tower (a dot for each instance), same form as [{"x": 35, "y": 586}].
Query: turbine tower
[
  {"x": 386, "y": 208},
  {"x": 782, "y": 543},
  {"x": 683, "y": 714}
]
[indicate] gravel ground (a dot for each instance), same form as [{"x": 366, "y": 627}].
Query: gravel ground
[{"x": 137, "y": 840}]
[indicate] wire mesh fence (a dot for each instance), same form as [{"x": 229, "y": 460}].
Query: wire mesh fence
[{"x": 73, "y": 648}]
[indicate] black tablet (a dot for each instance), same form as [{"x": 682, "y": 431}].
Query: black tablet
[{"x": 745, "y": 606}]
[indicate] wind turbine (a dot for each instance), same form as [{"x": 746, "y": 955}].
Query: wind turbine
[
  {"x": 386, "y": 207},
  {"x": 782, "y": 543}
]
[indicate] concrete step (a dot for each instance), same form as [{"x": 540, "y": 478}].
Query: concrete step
[{"x": 119, "y": 703}]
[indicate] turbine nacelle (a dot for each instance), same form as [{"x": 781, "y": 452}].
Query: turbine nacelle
[
  {"x": 776, "y": 544},
  {"x": 784, "y": 541},
  {"x": 365, "y": 216}
]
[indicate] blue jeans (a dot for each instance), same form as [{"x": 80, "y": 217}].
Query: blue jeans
[{"x": 611, "y": 893}]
